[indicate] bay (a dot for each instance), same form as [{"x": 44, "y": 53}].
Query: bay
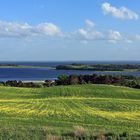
[{"x": 43, "y": 73}]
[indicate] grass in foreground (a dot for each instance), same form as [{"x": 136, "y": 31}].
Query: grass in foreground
[{"x": 57, "y": 110}]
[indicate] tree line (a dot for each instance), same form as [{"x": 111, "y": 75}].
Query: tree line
[
  {"x": 98, "y": 67},
  {"x": 119, "y": 80}
]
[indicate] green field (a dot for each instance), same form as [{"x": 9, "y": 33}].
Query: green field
[{"x": 56, "y": 110}]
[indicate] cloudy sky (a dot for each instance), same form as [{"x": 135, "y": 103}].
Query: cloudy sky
[{"x": 60, "y": 30}]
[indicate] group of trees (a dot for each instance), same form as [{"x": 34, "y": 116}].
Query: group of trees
[
  {"x": 120, "y": 80},
  {"x": 16, "y": 83},
  {"x": 98, "y": 67}
]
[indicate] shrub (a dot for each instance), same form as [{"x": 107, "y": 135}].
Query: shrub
[{"x": 79, "y": 131}]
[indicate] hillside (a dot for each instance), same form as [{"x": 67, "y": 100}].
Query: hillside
[{"x": 59, "y": 109}]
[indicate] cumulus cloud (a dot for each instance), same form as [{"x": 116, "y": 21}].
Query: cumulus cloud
[
  {"x": 114, "y": 36},
  {"x": 88, "y": 33},
  {"x": 120, "y": 13},
  {"x": 48, "y": 29},
  {"x": 14, "y": 29},
  {"x": 83, "y": 34},
  {"x": 91, "y": 34},
  {"x": 89, "y": 23}
]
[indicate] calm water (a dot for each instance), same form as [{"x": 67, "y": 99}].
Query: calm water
[{"x": 45, "y": 73}]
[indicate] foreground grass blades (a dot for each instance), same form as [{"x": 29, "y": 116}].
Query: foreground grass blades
[{"x": 58, "y": 110}]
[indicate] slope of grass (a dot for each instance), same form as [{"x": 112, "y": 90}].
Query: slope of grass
[{"x": 95, "y": 107}]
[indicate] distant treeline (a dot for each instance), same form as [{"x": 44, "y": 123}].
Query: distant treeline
[
  {"x": 11, "y": 65},
  {"x": 120, "y": 80},
  {"x": 98, "y": 67}
]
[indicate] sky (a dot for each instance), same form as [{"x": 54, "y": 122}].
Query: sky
[{"x": 65, "y": 30}]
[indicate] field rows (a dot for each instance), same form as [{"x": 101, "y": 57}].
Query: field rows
[{"x": 92, "y": 106}]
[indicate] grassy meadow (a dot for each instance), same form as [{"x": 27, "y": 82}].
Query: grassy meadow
[{"x": 40, "y": 113}]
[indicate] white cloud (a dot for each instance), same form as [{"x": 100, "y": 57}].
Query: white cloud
[
  {"x": 88, "y": 33},
  {"x": 48, "y": 29},
  {"x": 83, "y": 34},
  {"x": 91, "y": 34},
  {"x": 120, "y": 13},
  {"x": 14, "y": 29},
  {"x": 114, "y": 36},
  {"x": 89, "y": 23}
]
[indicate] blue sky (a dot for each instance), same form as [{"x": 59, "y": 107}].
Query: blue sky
[{"x": 49, "y": 30}]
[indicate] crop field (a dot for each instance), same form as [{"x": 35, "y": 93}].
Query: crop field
[{"x": 60, "y": 109}]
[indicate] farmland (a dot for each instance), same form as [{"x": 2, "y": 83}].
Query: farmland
[{"x": 59, "y": 109}]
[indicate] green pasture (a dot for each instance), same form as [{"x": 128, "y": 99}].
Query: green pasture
[{"x": 59, "y": 109}]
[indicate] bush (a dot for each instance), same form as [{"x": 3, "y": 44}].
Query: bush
[
  {"x": 73, "y": 80},
  {"x": 79, "y": 131}
]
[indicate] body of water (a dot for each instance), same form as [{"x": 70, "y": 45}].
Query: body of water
[{"x": 28, "y": 74}]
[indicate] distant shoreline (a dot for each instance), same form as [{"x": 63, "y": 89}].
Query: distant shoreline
[
  {"x": 23, "y": 66},
  {"x": 34, "y": 81},
  {"x": 100, "y": 67}
]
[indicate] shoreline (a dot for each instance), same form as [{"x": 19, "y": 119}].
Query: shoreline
[
  {"x": 29, "y": 81},
  {"x": 48, "y": 67},
  {"x": 34, "y": 81}
]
